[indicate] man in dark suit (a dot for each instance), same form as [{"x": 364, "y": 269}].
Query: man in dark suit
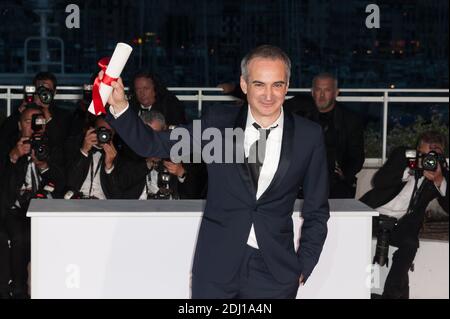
[
  {"x": 344, "y": 135},
  {"x": 156, "y": 178},
  {"x": 150, "y": 94},
  {"x": 58, "y": 120},
  {"x": 30, "y": 172},
  {"x": 343, "y": 130},
  {"x": 245, "y": 245},
  {"x": 403, "y": 193},
  {"x": 91, "y": 170}
]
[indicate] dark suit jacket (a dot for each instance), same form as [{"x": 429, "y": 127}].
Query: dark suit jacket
[
  {"x": 231, "y": 205},
  {"x": 78, "y": 170},
  {"x": 350, "y": 136},
  {"x": 13, "y": 177},
  {"x": 349, "y": 129},
  {"x": 387, "y": 184}
]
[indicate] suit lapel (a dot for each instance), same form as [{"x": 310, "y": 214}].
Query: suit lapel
[
  {"x": 285, "y": 156},
  {"x": 243, "y": 169}
]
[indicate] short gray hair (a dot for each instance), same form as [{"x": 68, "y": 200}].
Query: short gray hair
[
  {"x": 325, "y": 75},
  {"x": 267, "y": 52},
  {"x": 149, "y": 116}
]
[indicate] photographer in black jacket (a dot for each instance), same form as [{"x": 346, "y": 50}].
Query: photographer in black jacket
[
  {"x": 31, "y": 171},
  {"x": 156, "y": 178},
  {"x": 148, "y": 93},
  {"x": 403, "y": 188},
  {"x": 91, "y": 170},
  {"x": 57, "y": 119}
]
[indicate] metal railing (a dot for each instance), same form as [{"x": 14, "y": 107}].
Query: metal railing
[{"x": 203, "y": 94}]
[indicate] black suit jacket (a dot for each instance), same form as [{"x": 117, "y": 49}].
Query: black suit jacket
[
  {"x": 231, "y": 205},
  {"x": 78, "y": 170},
  {"x": 13, "y": 177},
  {"x": 350, "y": 135}
]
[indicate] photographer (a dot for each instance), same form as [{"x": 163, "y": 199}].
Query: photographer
[
  {"x": 30, "y": 172},
  {"x": 91, "y": 173},
  {"x": 148, "y": 93},
  {"x": 58, "y": 120},
  {"x": 155, "y": 178},
  {"x": 403, "y": 188}
]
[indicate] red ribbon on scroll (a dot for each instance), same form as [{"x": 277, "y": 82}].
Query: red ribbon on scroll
[{"x": 96, "y": 98}]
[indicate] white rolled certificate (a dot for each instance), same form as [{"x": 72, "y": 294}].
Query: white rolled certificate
[{"x": 116, "y": 64}]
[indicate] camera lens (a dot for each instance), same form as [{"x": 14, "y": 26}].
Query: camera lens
[
  {"x": 103, "y": 135},
  {"x": 430, "y": 161},
  {"x": 45, "y": 95}
]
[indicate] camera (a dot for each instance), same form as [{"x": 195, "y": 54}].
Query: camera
[
  {"x": 45, "y": 94},
  {"x": 385, "y": 226},
  {"x": 28, "y": 93},
  {"x": 104, "y": 135},
  {"x": 425, "y": 162},
  {"x": 39, "y": 143},
  {"x": 37, "y": 122},
  {"x": 163, "y": 183}
]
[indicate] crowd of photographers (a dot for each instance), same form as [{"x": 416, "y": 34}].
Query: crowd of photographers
[{"x": 49, "y": 152}]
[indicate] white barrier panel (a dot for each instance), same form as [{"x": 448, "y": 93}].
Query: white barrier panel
[{"x": 144, "y": 249}]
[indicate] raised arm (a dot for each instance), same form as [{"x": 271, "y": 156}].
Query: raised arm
[{"x": 140, "y": 137}]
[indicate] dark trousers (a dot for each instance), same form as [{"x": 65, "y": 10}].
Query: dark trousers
[
  {"x": 341, "y": 189},
  {"x": 405, "y": 237},
  {"x": 252, "y": 281},
  {"x": 16, "y": 229}
]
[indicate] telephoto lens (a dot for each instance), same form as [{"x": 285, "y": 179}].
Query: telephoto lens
[{"x": 385, "y": 226}]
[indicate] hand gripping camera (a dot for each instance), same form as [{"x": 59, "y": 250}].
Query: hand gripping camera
[
  {"x": 104, "y": 135},
  {"x": 425, "y": 162},
  {"x": 39, "y": 144}
]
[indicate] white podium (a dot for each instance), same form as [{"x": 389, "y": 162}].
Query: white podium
[{"x": 144, "y": 249}]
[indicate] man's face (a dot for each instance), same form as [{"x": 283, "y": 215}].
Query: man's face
[
  {"x": 266, "y": 87},
  {"x": 324, "y": 93},
  {"x": 46, "y": 83},
  {"x": 145, "y": 91},
  {"x": 26, "y": 122},
  {"x": 425, "y": 148}
]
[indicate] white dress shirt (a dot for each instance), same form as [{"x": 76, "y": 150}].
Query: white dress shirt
[
  {"x": 97, "y": 189},
  {"x": 271, "y": 159},
  {"x": 144, "y": 109},
  {"x": 31, "y": 174},
  {"x": 398, "y": 206}
]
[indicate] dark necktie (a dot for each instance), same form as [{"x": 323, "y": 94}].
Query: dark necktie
[{"x": 257, "y": 151}]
